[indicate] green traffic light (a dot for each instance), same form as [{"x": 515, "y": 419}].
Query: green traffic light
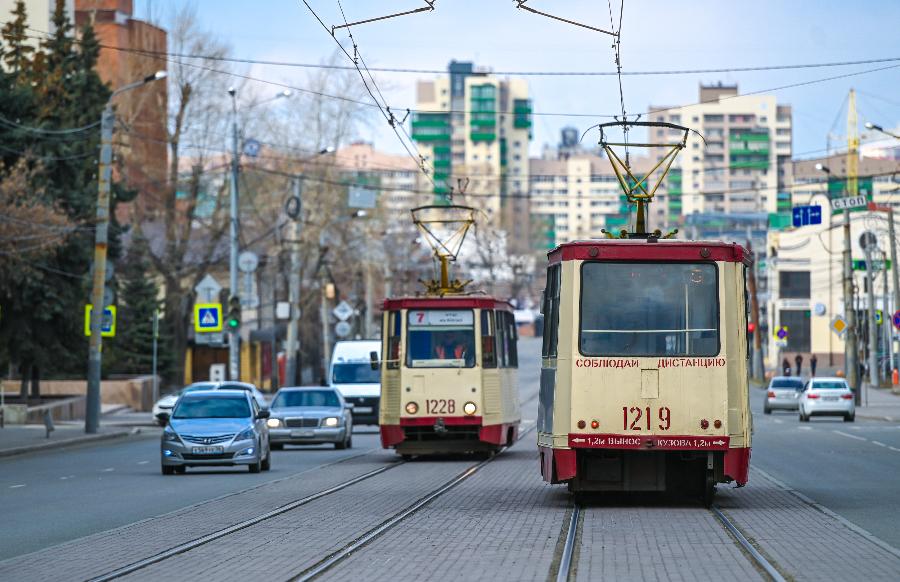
[{"x": 234, "y": 323}]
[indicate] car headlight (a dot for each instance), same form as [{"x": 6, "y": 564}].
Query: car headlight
[
  {"x": 470, "y": 408},
  {"x": 169, "y": 435},
  {"x": 412, "y": 408},
  {"x": 330, "y": 421},
  {"x": 273, "y": 423},
  {"x": 245, "y": 435}
]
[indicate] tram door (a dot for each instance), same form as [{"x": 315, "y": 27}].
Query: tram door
[{"x": 549, "y": 350}]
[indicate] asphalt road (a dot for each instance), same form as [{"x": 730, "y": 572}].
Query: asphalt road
[
  {"x": 53, "y": 497},
  {"x": 850, "y": 468}
]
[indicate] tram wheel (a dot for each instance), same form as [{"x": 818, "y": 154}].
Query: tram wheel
[{"x": 709, "y": 489}]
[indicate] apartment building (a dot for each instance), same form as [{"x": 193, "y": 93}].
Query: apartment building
[
  {"x": 740, "y": 165},
  {"x": 396, "y": 181},
  {"x": 474, "y": 129}
]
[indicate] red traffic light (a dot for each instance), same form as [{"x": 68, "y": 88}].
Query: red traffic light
[{"x": 751, "y": 327}]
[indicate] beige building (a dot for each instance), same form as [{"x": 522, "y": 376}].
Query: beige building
[
  {"x": 395, "y": 178},
  {"x": 804, "y": 266},
  {"x": 473, "y": 126},
  {"x": 744, "y": 164}
]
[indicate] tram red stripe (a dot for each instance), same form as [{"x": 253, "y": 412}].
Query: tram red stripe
[
  {"x": 448, "y": 420},
  {"x": 737, "y": 465},
  {"x": 649, "y": 442},
  {"x": 641, "y": 250},
  {"x": 445, "y": 303}
]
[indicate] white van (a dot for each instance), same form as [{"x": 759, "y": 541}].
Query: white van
[{"x": 352, "y": 375}]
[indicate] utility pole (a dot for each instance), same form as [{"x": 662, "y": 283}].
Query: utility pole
[
  {"x": 892, "y": 241},
  {"x": 293, "y": 331},
  {"x": 850, "y": 350},
  {"x": 155, "y": 354},
  {"x": 870, "y": 298},
  {"x": 886, "y": 315},
  {"x": 101, "y": 239},
  {"x": 326, "y": 344},
  {"x": 234, "y": 339}
]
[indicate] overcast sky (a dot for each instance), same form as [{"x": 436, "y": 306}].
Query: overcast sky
[{"x": 656, "y": 35}]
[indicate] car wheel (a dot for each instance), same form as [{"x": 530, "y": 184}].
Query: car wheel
[
  {"x": 350, "y": 442},
  {"x": 167, "y": 470},
  {"x": 255, "y": 467},
  {"x": 850, "y": 418},
  {"x": 181, "y": 469},
  {"x": 804, "y": 417},
  {"x": 767, "y": 410},
  {"x": 267, "y": 462},
  {"x": 340, "y": 446}
]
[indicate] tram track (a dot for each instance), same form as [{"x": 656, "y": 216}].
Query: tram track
[
  {"x": 565, "y": 568},
  {"x": 332, "y": 559}
]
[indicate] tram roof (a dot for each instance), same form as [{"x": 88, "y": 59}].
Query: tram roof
[
  {"x": 447, "y": 302},
  {"x": 644, "y": 250}
]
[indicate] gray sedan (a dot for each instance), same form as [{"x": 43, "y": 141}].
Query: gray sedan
[
  {"x": 783, "y": 394},
  {"x": 310, "y": 416},
  {"x": 215, "y": 428}
]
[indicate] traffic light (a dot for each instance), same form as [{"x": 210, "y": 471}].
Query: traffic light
[
  {"x": 233, "y": 321},
  {"x": 751, "y": 327}
]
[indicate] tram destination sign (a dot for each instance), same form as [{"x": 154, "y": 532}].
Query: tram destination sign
[
  {"x": 441, "y": 317},
  {"x": 652, "y": 442}
]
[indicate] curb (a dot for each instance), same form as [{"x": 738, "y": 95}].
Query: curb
[
  {"x": 68, "y": 442},
  {"x": 877, "y": 417}
]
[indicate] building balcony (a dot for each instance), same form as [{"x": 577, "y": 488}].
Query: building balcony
[
  {"x": 750, "y": 165},
  {"x": 734, "y": 151},
  {"x": 482, "y": 136}
]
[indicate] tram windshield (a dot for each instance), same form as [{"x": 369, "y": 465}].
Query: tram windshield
[
  {"x": 649, "y": 309},
  {"x": 441, "y": 339}
]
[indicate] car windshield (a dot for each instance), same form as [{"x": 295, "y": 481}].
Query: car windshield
[
  {"x": 830, "y": 385},
  {"x": 355, "y": 373},
  {"x": 294, "y": 398},
  {"x": 235, "y": 387},
  {"x": 441, "y": 339},
  {"x": 201, "y": 386},
  {"x": 212, "y": 407},
  {"x": 649, "y": 309},
  {"x": 785, "y": 383}
]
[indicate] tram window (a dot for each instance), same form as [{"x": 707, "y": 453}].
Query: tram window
[
  {"x": 392, "y": 356},
  {"x": 488, "y": 340},
  {"x": 551, "y": 312},
  {"x": 649, "y": 309},
  {"x": 512, "y": 352},
  {"x": 441, "y": 339}
]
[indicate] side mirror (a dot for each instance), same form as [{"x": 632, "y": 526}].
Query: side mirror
[
  {"x": 263, "y": 414},
  {"x": 373, "y": 356},
  {"x": 163, "y": 417}
]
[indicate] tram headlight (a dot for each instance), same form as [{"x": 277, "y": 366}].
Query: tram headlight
[
  {"x": 470, "y": 408},
  {"x": 412, "y": 408}
]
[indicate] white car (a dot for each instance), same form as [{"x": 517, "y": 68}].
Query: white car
[
  {"x": 167, "y": 402},
  {"x": 827, "y": 397}
]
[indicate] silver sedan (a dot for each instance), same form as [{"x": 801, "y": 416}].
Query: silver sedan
[
  {"x": 310, "y": 416},
  {"x": 783, "y": 393},
  {"x": 215, "y": 428}
]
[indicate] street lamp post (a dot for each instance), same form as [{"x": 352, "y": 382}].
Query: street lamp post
[{"x": 101, "y": 238}]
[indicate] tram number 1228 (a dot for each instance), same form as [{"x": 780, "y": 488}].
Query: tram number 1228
[
  {"x": 636, "y": 418},
  {"x": 440, "y": 406}
]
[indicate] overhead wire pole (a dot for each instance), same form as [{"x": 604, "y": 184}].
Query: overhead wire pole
[
  {"x": 101, "y": 239},
  {"x": 234, "y": 347},
  {"x": 293, "y": 331}
]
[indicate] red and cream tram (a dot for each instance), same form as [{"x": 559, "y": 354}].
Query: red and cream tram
[
  {"x": 644, "y": 381},
  {"x": 448, "y": 381}
]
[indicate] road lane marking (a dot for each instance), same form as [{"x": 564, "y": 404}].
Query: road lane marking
[
  {"x": 16, "y": 486},
  {"x": 894, "y": 449},
  {"x": 804, "y": 428},
  {"x": 879, "y": 444},
  {"x": 852, "y": 436},
  {"x": 143, "y": 462},
  {"x": 777, "y": 421},
  {"x": 109, "y": 470}
]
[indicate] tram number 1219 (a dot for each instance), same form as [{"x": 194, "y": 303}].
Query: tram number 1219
[{"x": 637, "y": 418}]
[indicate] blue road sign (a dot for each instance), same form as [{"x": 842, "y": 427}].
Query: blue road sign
[
  {"x": 207, "y": 317},
  {"x": 807, "y": 215}
]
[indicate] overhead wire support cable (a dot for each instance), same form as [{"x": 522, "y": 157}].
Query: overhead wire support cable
[
  {"x": 520, "y": 4},
  {"x": 428, "y": 8}
]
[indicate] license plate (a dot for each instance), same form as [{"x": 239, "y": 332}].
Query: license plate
[
  {"x": 830, "y": 399},
  {"x": 208, "y": 450},
  {"x": 301, "y": 433},
  {"x": 362, "y": 409}
]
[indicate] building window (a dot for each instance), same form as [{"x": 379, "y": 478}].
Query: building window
[
  {"x": 793, "y": 285},
  {"x": 797, "y": 322}
]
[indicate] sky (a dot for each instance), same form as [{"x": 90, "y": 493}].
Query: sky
[{"x": 655, "y": 35}]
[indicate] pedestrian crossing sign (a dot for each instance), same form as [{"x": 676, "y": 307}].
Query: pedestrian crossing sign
[{"x": 207, "y": 317}]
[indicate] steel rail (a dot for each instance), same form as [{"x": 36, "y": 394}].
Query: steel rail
[
  {"x": 335, "y": 558},
  {"x": 195, "y": 543},
  {"x": 760, "y": 560},
  {"x": 565, "y": 562}
]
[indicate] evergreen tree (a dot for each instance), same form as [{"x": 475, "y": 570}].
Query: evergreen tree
[
  {"x": 18, "y": 52},
  {"x": 131, "y": 352}
]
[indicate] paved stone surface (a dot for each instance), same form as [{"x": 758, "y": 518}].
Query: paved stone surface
[
  {"x": 501, "y": 524},
  {"x": 96, "y": 554},
  {"x": 292, "y": 542},
  {"x": 802, "y": 541},
  {"x": 664, "y": 542}
]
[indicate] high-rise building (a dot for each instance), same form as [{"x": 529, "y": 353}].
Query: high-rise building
[
  {"x": 472, "y": 126},
  {"x": 40, "y": 14},
  {"x": 742, "y": 167}
]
